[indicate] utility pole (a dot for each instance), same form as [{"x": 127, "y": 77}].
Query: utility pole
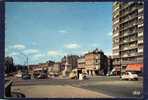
[{"x": 26, "y": 60}]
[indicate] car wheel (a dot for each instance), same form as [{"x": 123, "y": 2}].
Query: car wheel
[{"x": 136, "y": 79}]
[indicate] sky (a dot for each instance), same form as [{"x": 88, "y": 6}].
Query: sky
[{"x": 49, "y": 30}]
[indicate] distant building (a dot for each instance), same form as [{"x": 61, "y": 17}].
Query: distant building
[
  {"x": 71, "y": 60},
  {"x": 81, "y": 63},
  {"x": 95, "y": 62},
  {"x": 110, "y": 63},
  {"x": 44, "y": 65},
  {"x": 56, "y": 67},
  {"x": 33, "y": 66},
  {"x": 50, "y": 63}
]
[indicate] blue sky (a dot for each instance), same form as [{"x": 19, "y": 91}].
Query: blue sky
[{"x": 48, "y": 31}]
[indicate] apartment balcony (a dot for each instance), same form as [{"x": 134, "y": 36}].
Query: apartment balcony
[
  {"x": 140, "y": 10},
  {"x": 140, "y": 34},
  {"x": 114, "y": 35},
  {"x": 128, "y": 11},
  {"x": 128, "y": 62},
  {"x": 128, "y": 48},
  {"x": 117, "y": 47},
  {"x": 115, "y": 9},
  {"x": 140, "y": 17},
  {"x": 125, "y": 55},
  {"x": 131, "y": 2},
  {"x": 140, "y": 59},
  {"x": 141, "y": 25},
  {"x": 140, "y": 41},
  {"x": 132, "y": 54},
  {"x": 140, "y": 53},
  {"x": 140, "y": 50},
  {"x": 116, "y": 63},
  {"x": 115, "y": 22},
  {"x": 132, "y": 47},
  {"x": 128, "y": 18},
  {"x": 125, "y": 48},
  {"x": 115, "y": 54},
  {"x": 127, "y": 34},
  {"x": 132, "y": 40},
  {"x": 125, "y": 41},
  {"x": 131, "y": 25}
]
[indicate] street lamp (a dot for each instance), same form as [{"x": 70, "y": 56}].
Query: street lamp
[{"x": 26, "y": 59}]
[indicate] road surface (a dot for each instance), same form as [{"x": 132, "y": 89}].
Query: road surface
[{"x": 106, "y": 86}]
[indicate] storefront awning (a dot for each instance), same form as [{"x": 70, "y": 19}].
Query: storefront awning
[{"x": 134, "y": 67}]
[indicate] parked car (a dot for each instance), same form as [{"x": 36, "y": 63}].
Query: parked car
[
  {"x": 43, "y": 76},
  {"x": 26, "y": 76},
  {"x": 18, "y": 75},
  {"x": 129, "y": 76},
  {"x": 73, "y": 75},
  {"x": 85, "y": 76}
]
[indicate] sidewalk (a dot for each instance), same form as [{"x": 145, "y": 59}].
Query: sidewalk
[{"x": 57, "y": 91}]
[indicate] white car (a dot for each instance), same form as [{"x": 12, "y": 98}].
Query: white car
[
  {"x": 129, "y": 76},
  {"x": 18, "y": 75}
]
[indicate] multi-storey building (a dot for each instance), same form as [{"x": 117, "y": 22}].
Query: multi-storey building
[
  {"x": 128, "y": 28},
  {"x": 81, "y": 62},
  {"x": 71, "y": 60},
  {"x": 56, "y": 67},
  {"x": 95, "y": 62},
  {"x": 110, "y": 63}
]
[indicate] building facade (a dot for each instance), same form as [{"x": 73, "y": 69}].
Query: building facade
[
  {"x": 95, "y": 62},
  {"x": 56, "y": 67},
  {"x": 128, "y": 29},
  {"x": 81, "y": 62},
  {"x": 71, "y": 60}
]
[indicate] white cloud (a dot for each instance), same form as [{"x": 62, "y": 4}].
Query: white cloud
[
  {"x": 109, "y": 34},
  {"x": 38, "y": 55},
  {"x": 31, "y": 51},
  {"x": 34, "y": 43},
  {"x": 19, "y": 46},
  {"x": 72, "y": 46},
  {"x": 63, "y": 31},
  {"x": 54, "y": 53},
  {"x": 12, "y": 54},
  {"x": 95, "y": 45},
  {"x": 84, "y": 52},
  {"x": 108, "y": 53}
]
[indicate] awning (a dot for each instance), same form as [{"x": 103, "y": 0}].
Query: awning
[{"x": 134, "y": 67}]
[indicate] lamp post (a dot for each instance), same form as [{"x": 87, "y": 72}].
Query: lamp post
[{"x": 26, "y": 60}]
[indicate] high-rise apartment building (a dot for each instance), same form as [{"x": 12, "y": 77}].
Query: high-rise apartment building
[{"x": 128, "y": 33}]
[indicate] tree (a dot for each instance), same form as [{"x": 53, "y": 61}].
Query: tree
[{"x": 9, "y": 65}]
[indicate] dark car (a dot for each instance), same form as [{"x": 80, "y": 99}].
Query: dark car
[
  {"x": 43, "y": 76},
  {"x": 26, "y": 76}
]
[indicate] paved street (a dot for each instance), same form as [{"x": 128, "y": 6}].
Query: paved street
[{"x": 99, "y": 86}]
